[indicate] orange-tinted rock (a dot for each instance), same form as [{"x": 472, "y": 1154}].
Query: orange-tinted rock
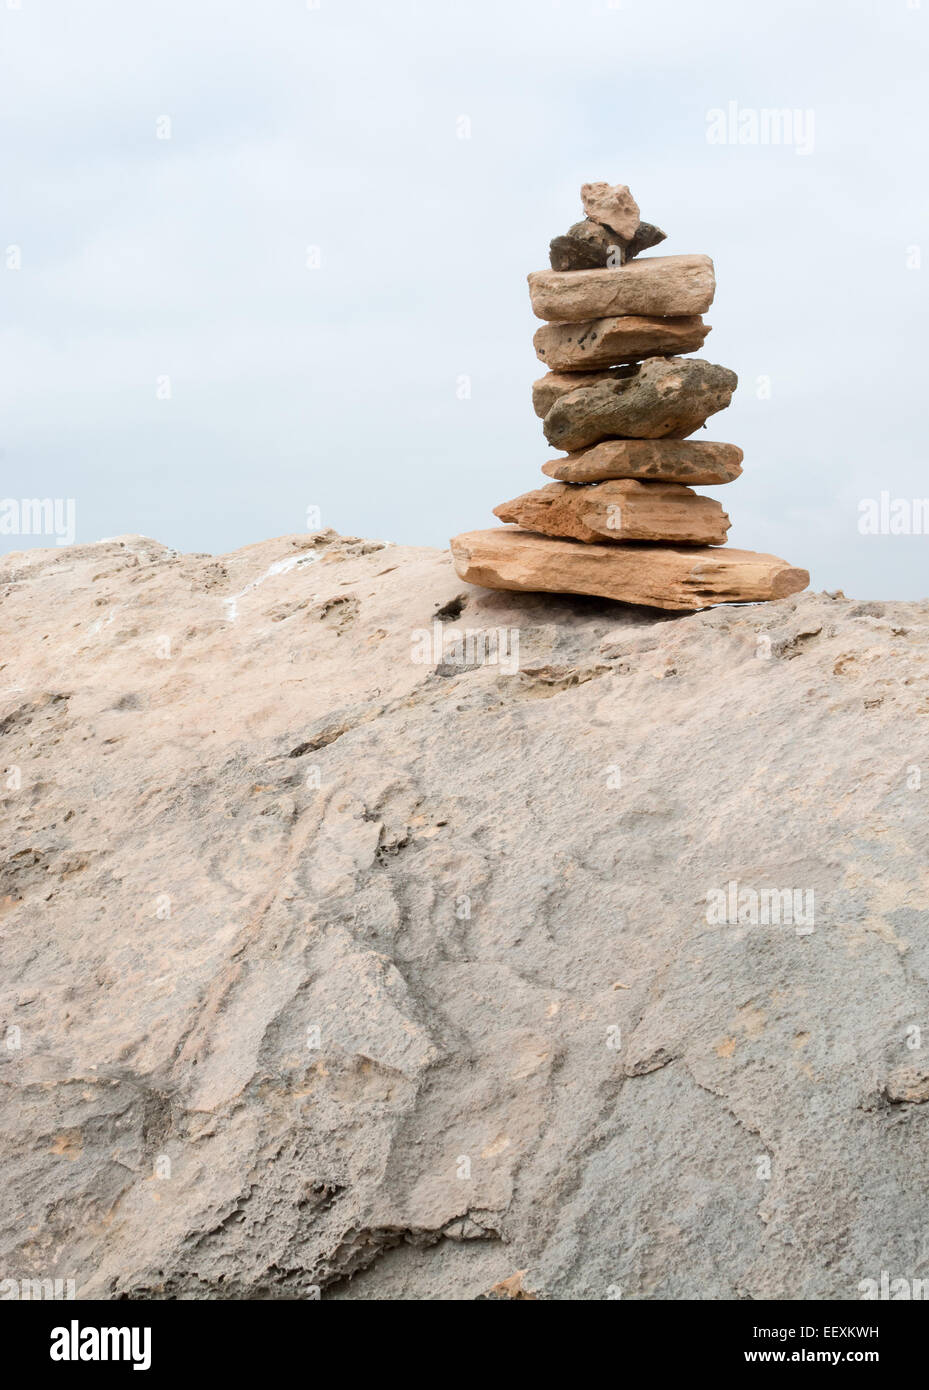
[
  {"x": 659, "y": 285},
  {"x": 619, "y": 510},
  {"x": 673, "y": 577},
  {"x": 612, "y": 206},
  {"x": 698, "y": 462},
  {"x": 605, "y": 342}
]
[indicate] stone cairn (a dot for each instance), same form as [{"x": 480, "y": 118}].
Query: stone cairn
[{"x": 621, "y": 520}]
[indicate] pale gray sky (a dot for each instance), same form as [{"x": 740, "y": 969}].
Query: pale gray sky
[{"x": 339, "y": 127}]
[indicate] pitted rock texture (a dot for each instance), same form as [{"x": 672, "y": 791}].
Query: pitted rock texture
[
  {"x": 664, "y": 398},
  {"x": 548, "y": 388},
  {"x": 691, "y": 461},
  {"x": 328, "y": 961}
]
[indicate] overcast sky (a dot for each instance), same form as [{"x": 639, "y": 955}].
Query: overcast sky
[{"x": 274, "y": 308}]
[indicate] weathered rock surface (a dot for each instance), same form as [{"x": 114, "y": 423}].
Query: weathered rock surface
[
  {"x": 606, "y": 342},
  {"x": 488, "y": 892},
  {"x": 549, "y": 387},
  {"x": 612, "y": 206},
  {"x": 675, "y": 578},
  {"x": 697, "y": 462},
  {"x": 659, "y": 285},
  {"x": 666, "y": 398},
  {"x": 621, "y": 510},
  {"x": 588, "y": 246},
  {"x": 908, "y": 1086}
]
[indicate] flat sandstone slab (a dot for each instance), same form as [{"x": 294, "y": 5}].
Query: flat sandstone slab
[
  {"x": 681, "y": 578},
  {"x": 666, "y": 398},
  {"x": 699, "y": 462},
  {"x": 605, "y": 342},
  {"x": 620, "y": 510},
  {"x": 662, "y": 285}
]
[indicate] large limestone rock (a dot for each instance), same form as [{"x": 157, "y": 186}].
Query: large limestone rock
[
  {"x": 623, "y": 510},
  {"x": 605, "y": 342},
  {"x": 662, "y": 285},
  {"x": 679, "y": 577},
  {"x": 666, "y": 398},
  {"x": 613, "y": 206},
  {"x": 695, "y": 461},
  {"x": 297, "y": 912},
  {"x": 588, "y": 246}
]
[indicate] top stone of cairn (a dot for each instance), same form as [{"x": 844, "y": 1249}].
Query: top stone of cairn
[{"x": 612, "y": 206}]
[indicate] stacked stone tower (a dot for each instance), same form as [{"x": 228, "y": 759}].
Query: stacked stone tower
[{"x": 620, "y": 398}]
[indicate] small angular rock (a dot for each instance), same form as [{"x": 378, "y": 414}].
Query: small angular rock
[
  {"x": 666, "y": 398},
  {"x": 621, "y": 510},
  {"x": 697, "y": 462},
  {"x": 681, "y": 578},
  {"x": 606, "y": 342},
  {"x": 646, "y": 235},
  {"x": 659, "y": 285},
  {"x": 613, "y": 206}
]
